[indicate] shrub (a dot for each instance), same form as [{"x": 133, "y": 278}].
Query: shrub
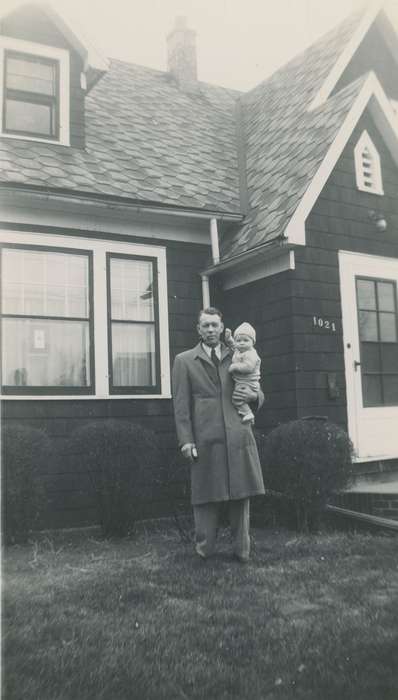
[
  {"x": 25, "y": 450},
  {"x": 307, "y": 460},
  {"x": 121, "y": 459}
]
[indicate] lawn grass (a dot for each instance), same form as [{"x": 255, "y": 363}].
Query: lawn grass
[{"x": 309, "y": 618}]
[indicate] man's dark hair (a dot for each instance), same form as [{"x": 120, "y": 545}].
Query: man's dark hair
[{"x": 210, "y": 310}]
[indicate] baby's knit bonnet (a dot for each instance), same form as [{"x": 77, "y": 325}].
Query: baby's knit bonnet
[{"x": 246, "y": 329}]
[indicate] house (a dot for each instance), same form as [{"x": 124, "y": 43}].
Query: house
[{"x": 131, "y": 197}]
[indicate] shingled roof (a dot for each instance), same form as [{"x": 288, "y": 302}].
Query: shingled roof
[
  {"x": 149, "y": 140},
  {"x": 146, "y": 140},
  {"x": 285, "y": 142}
]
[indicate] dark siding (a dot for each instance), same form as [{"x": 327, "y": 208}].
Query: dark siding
[
  {"x": 267, "y": 305},
  {"x": 339, "y": 220},
  {"x": 68, "y": 491},
  {"x": 30, "y": 24},
  {"x": 372, "y": 54}
]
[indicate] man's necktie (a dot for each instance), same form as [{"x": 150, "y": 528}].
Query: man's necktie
[{"x": 214, "y": 358}]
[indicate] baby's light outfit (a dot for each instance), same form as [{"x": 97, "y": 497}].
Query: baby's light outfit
[{"x": 246, "y": 373}]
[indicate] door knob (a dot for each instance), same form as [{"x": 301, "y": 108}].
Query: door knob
[{"x": 356, "y": 364}]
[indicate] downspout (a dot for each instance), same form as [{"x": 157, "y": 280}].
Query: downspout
[
  {"x": 215, "y": 254},
  {"x": 205, "y": 291},
  {"x": 215, "y": 250}
]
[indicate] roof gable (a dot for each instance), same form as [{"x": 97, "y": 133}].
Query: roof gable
[
  {"x": 371, "y": 96},
  {"x": 375, "y": 16}
]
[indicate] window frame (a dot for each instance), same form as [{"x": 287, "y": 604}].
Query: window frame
[
  {"x": 10, "y": 390},
  {"x": 46, "y": 53},
  {"x": 132, "y": 389},
  {"x": 72, "y": 241},
  {"x": 32, "y": 97},
  {"x": 379, "y": 343}
]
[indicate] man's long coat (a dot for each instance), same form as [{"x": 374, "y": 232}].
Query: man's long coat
[{"x": 228, "y": 466}]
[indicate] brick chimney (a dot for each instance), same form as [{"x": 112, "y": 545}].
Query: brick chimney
[{"x": 181, "y": 55}]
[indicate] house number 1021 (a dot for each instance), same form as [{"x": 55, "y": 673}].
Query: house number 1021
[{"x": 325, "y": 323}]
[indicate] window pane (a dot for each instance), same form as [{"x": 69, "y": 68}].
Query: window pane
[
  {"x": 389, "y": 354},
  {"x": 45, "y": 353},
  {"x": 370, "y": 357},
  {"x": 132, "y": 290},
  {"x": 34, "y": 300},
  {"x": 386, "y": 295},
  {"x": 56, "y": 301},
  {"x": 366, "y": 294},
  {"x": 371, "y": 389},
  {"x": 368, "y": 325},
  {"x": 388, "y": 328},
  {"x": 12, "y": 298},
  {"x": 29, "y": 117},
  {"x": 133, "y": 349},
  {"x": 46, "y": 284},
  {"x": 31, "y": 75},
  {"x": 390, "y": 386}
]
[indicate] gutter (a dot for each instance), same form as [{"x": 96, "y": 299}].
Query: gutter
[
  {"x": 113, "y": 201},
  {"x": 278, "y": 242}
]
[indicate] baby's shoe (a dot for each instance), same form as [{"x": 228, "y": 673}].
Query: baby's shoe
[{"x": 248, "y": 418}]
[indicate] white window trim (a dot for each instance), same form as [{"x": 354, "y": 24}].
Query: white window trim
[
  {"x": 60, "y": 55},
  {"x": 366, "y": 142},
  {"x": 99, "y": 250}
]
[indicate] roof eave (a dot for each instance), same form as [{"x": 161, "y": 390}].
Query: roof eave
[
  {"x": 140, "y": 206},
  {"x": 245, "y": 256}
]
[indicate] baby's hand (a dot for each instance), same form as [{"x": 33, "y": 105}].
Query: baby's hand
[{"x": 228, "y": 337}]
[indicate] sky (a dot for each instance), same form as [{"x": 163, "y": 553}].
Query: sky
[{"x": 239, "y": 42}]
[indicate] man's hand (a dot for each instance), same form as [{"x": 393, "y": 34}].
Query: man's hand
[
  {"x": 189, "y": 450},
  {"x": 242, "y": 394},
  {"x": 228, "y": 339}
]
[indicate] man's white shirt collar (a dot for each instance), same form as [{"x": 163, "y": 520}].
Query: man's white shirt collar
[{"x": 208, "y": 350}]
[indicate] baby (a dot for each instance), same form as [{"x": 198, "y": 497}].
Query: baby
[{"x": 245, "y": 365}]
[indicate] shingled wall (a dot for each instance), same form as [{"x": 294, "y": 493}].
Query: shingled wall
[
  {"x": 267, "y": 305},
  {"x": 339, "y": 220}
]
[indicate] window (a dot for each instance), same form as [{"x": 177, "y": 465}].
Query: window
[
  {"x": 46, "y": 321},
  {"x": 31, "y": 95},
  {"x": 378, "y": 337},
  {"x": 367, "y": 166},
  {"x": 34, "y": 89},
  {"x": 133, "y": 325},
  {"x": 89, "y": 318}
]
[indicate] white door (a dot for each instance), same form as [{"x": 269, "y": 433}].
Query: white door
[{"x": 369, "y": 298}]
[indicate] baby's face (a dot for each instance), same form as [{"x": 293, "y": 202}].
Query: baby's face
[{"x": 243, "y": 342}]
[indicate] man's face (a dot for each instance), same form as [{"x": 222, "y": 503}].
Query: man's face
[{"x": 210, "y": 328}]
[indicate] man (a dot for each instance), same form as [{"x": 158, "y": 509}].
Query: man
[{"x": 220, "y": 448}]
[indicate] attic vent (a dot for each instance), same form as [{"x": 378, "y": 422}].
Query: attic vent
[{"x": 367, "y": 166}]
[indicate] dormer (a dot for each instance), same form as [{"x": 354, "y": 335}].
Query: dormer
[{"x": 46, "y": 69}]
